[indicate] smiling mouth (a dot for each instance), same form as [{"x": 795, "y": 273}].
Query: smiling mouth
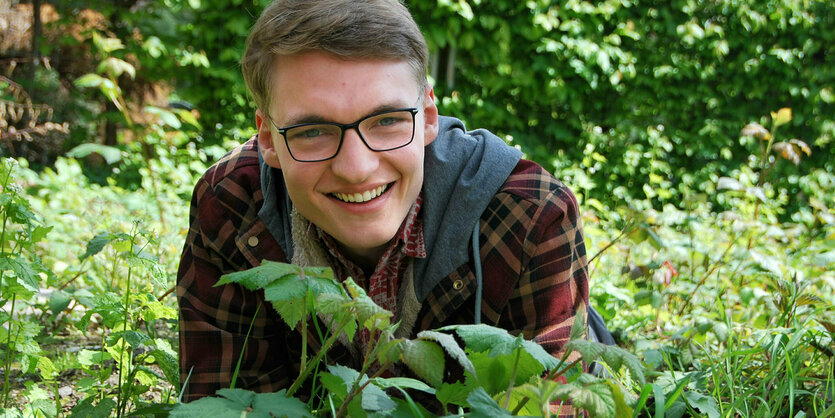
[{"x": 363, "y": 197}]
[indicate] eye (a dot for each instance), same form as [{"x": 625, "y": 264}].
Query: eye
[
  {"x": 388, "y": 121},
  {"x": 306, "y": 132}
]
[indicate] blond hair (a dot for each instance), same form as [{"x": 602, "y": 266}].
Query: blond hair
[{"x": 350, "y": 29}]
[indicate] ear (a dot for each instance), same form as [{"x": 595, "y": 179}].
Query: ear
[
  {"x": 266, "y": 144},
  {"x": 430, "y": 117}
]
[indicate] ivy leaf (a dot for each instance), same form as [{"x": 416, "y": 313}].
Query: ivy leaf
[
  {"x": 484, "y": 406},
  {"x": 448, "y": 343},
  {"x": 426, "y": 359}
]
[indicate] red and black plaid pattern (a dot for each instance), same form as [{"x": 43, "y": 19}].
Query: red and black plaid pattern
[{"x": 533, "y": 263}]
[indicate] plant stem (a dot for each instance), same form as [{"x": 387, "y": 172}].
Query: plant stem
[
  {"x": 512, "y": 377},
  {"x": 122, "y": 401},
  {"x": 315, "y": 360},
  {"x": 8, "y": 366}
]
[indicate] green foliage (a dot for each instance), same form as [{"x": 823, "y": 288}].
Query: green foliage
[{"x": 493, "y": 361}]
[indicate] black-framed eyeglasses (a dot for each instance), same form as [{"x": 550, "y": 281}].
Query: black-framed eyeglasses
[{"x": 320, "y": 141}]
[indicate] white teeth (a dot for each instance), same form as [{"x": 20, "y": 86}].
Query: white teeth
[{"x": 361, "y": 197}]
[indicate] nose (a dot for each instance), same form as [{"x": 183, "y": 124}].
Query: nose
[{"x": 355, "y": 162}]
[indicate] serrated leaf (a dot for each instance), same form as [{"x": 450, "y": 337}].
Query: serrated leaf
[
  {"x": 483, "y": 406},
  {"x": 291, "y": 311},
  {"x": 207, "y": 407},
  {"x": 578, "y": 328},
  {"x": 261, "y": 276},
  {"x": 239, "y": 397},
  {"x": 589, "y": 350},
  {"x": 448, "y": 343},
  {"x": 46, "y": 368},
  {"x": 85, "y": 408},
  {"x": 58, "y": 301},
  {"x": 704, "y": 404},
  {"x": 374, "y": 399},
  {"x": 169, "y": 366},
  {"x": 95, "y": 245},
  {"x": 595, "y": 398},
  {"x": 23, "y": 272},
  {"x": 279, "y": 405},
  {"x": 453, "y": 393},
  {"x": 425, "y": 359},
  {"x": 480, "y": 337},
  {"x": 135, "y": 339}
]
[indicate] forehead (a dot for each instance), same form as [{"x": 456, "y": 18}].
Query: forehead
[{"x": 318, "y": 82}]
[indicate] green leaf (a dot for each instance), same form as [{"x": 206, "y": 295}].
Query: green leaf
[
  {"x": 494, "y": 373},
  {"x": 453, "y": 393},
  {"x": 291, "y": 311},
  {"x": 375, "y": 399},
  {"x": 426, "y": 359},
  {"x": 704, "y": 404},
  {"x": 85, "y": 408},
  {"x": 46, "y": 368},
  {"x": 279, "y": 405},
  {"x": 781, "y": 117},
  {"x": 239, "y": 397},
  {"x": 596, "y": 398},
  {"x": 58, "y": 301},
  {"x": 483, "y": 406},
  {"x": 169, "y": 365},
  {"x": 89, "y": 357},
  {"x": 89, "y": 80},
  {"x": 259, "y": 277},
  {"x": 403, "y": 383},
  {"x": 111, "y": 154},
  {"x": 448, "y": 343},
  {"x": 135, "y": 339},
  {"x": 208, "y": 407},
  {"x": 23, "y": 271}
]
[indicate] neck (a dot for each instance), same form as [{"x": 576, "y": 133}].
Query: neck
[{"x": 366, "y": 259}]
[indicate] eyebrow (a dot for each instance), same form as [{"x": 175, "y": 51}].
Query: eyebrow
[{"x": 316, "y": 118}]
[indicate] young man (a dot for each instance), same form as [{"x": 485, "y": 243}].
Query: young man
[{"x": 353, "y": 168}]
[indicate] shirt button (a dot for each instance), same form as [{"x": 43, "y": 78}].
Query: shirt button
[
  {"x": 457, "y": 285},
  {"x": 252, "y": 241}
]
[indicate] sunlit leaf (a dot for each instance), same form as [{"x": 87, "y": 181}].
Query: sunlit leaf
[
  {"x": 781, "y": 117},
  {"x": 787, "y": 152},
  {"x": 756, "y": 130},
  {"x": 727, "y": 183}
]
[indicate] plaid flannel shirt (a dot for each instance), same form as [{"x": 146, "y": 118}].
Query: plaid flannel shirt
[{"x": 533, "y": 263}]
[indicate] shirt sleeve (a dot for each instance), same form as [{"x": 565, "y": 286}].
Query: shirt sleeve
[
  {"x": 214, "y": 321},
  {"x": 553, "y": 282}
]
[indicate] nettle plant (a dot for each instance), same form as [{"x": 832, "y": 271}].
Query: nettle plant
[
  {"x": 131, "y": 350},
  {"x": 501, "y": 374},
  {"x": 21, "y": 274}
]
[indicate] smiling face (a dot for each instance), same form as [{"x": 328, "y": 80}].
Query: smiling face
[{"x": 359, "y": 197}]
